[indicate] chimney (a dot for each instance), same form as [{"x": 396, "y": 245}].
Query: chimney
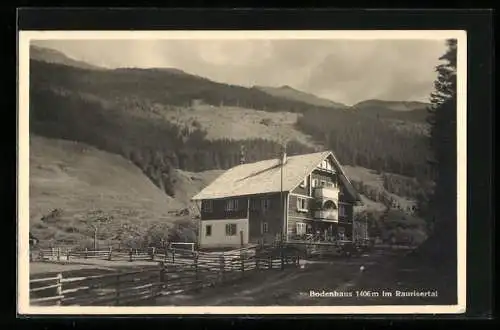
[
  {"x": 283, "y": 155},
  {"x": 242, "y": 154}
]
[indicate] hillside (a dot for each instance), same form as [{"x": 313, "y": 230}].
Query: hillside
[
  {"x": 391, "y": 105},
  {"x": 373, "y": 185},
  {"x": 165, "y": 120},
  {"x": 75, "y": 178},
  {"x": 411, "y": 112},
  {"x": 241, "y": 124},
  {"x": 70, "y": 180},
  {"x": 162, "y": 86},
  {"x": 53, "y": 56},
  {"x": 290, "y": 93}
]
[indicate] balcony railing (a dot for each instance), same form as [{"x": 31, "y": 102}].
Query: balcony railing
[
  {"x": 331, "y": 192},
  {"x": 331, "y": 215}
]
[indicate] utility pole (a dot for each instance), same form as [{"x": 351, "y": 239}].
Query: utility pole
[{"x": 282, "y": 200}]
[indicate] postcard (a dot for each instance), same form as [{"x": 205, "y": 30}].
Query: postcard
[{"x": 242, "y": 172}]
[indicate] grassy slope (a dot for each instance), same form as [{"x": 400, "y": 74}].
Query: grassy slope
[
  {"x": 188, "y": 184},
  {"x": 75, "y": 178},
  {"x": 240, "y": 123}
]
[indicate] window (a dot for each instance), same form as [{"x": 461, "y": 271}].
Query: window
[
  {"x": 342, "y": 211},
  {"x": 254, "y": 204},
  {"x": 303, "y": 183},
  {"x": 232, "y": 205},
  {"x": 230, "y": 229},
  {"x": 265, "y": 204},
  {"x": 314, "y": 183},
  {"x": 265, "y": 228},
  {"x": 323, "y": 183},
  {"x": 207, "y": 206},
  {"x": 301, "y": 204},
  {"x": 300, "y": 228},
  {"x": 208, "y": 230}
]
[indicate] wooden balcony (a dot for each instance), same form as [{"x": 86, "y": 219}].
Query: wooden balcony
[
  {"x": 329, "y": 215},
  {"x": 329, "y": 192}
]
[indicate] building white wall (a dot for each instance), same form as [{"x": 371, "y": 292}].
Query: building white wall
[{"x": 218, "y": 237}]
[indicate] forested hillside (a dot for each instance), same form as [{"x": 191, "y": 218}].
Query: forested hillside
[
  {"x": 364, "y": 141},
  {"x": 158, "y": 86},
  {"x": 156, "y": 147}
]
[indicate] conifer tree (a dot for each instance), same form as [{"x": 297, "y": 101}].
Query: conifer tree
[{"x": 443, "y": 144}]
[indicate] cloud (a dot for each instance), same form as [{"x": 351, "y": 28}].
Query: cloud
[{"x": 345, "y": 71}]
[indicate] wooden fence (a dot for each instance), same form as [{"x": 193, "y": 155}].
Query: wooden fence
[
  {"x": 62, "y": 254},
  {"x": 174, "y": 273}
]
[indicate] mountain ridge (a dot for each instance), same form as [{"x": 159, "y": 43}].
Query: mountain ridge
[
  {"x": 298, "y": 98},
  {"x": 49, "y": 55},
  {"x": 291, "y": 93}
]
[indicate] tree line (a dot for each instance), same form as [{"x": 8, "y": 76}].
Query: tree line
[{"x": 364, "y": 141}]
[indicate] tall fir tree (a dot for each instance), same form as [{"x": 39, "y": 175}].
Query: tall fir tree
[{"x": 443, "y": 143}]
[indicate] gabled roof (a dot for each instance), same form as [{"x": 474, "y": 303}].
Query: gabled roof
[{"x": 265, "y": 176}]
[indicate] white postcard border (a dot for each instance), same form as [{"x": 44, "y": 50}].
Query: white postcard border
[{"x": 23, "y": 169}]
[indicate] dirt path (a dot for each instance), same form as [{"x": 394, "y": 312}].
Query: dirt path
[
  {"x": 333, "y": 283},
  {"x": 289, "y": 287}
]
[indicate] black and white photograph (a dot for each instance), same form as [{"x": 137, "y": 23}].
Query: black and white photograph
[{"x": 242, "y": 172}]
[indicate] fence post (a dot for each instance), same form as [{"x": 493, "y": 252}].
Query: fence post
[
  {"x": 86, "y": 253},
  {"x": 270, "y": 262},
  {"x": 68, "y": 254},
  {"x": 282, "y": 256},
  {"x": 221, "y": 268},
  {"x": 173, "y": 256},
  {"x": 110, "y": 252},
  {"x": 166, "y": 253},
  {"x": 162, "y": 274},
  {"x": 196, "y": 266},
  {"x": 59, "y": 289},
  {"x": 130, "y": 255},
  {"x": 242, "y": 265},
  {"x": 153, "y": 253}
]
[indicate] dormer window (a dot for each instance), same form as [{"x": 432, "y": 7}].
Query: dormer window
[{"x": 303, "y": 184}]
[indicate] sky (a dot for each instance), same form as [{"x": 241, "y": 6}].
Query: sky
[{"x": 346, "y": 71}]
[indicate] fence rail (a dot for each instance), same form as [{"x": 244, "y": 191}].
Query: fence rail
[{"x": 177, "y": 270}]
